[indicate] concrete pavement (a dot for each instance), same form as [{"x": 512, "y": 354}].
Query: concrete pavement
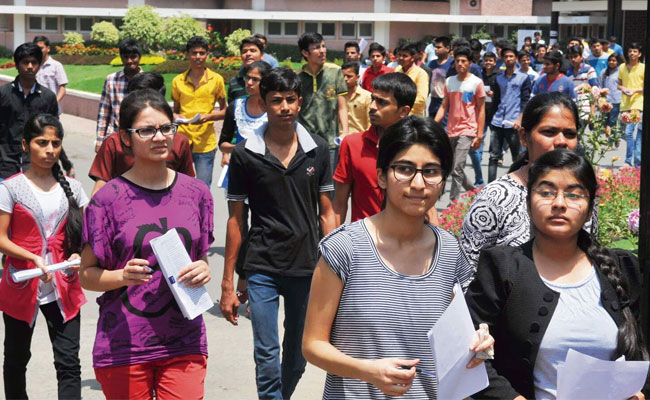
[{"x": 230, "y": 372}]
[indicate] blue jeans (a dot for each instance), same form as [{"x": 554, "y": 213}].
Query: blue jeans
[
  {"x": 204, "y": 165},
  {"x": 612, "y": 117},
  {"x": 498, "y": 138},
  {"x": 477, "y": 156},
  {"x": 277, "y": 379},
  {"x": 633, "y": 151}
]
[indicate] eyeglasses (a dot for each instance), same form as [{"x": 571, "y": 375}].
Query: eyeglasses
[
  {"x": 406, "y": 173},
  {"x": 150, "y": 131},
  {"x": 550, "y": 195}
]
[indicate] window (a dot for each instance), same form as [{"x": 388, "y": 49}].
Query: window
[
  {"x": 328, "y": 29},
  {"x": 290, "y": 29},
  {"x": 466, "y": 30},
  {"x": 35, "y": 23},
  {"x": 4, "y": 22},
  {"x": 498, "y": 30},
  {"x": 42, "y": 23},
  {"x": 85, "y": 24},
  {"x": 69, "y": 24},
  {"x": 311, "y": 26},
  {"x": 348, "y": 30},
  {"x": 274, "y": 28},
  {"x": 365, "y": 30},
  {"x": 279, "y": 28}
]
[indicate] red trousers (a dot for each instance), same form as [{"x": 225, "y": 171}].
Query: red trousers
[{"x": 177, "y": 378}]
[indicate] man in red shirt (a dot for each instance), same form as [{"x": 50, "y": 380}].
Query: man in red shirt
[
  {"x": 377, "y": 54},
  {"x": 356, "y": 172},
  {"x": 112, "y": 160}
]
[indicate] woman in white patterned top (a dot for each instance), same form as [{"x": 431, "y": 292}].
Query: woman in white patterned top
[
  {"x": 383, "y": 282},
  {"x": 498, "y": 215}
]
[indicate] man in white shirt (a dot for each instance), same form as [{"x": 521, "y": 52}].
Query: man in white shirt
[{"x": 51, "y": 73}]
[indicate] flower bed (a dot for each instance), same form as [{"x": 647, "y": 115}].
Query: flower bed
[
  {"x": 618, "y": 198},
  {"x": 452, "y": 217},
  {"x": 92, "y": 50}
]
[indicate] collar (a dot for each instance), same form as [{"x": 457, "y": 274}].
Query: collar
[
  {"x": 371, "y": 135},
  {"x": 33, "y": 90},
  {"x": 256, "y": 144},
  {"x": 206, "y": 74},
  {"x": 556, "y": 78},
  {"x": 308, "y": 71}
]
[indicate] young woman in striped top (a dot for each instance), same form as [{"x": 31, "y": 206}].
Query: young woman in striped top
[{"x": 383, "y": 282}]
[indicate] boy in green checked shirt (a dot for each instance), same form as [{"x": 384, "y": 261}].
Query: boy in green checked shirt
[{"x": 323, "y": 94}]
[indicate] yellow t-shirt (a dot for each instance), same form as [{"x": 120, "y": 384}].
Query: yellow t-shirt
[
  {"x": 632, "y": 80},
  {"x": 421, "y": 79},
  {"x": 199, "y": 100},
  {"x": 358, "y": 107}
]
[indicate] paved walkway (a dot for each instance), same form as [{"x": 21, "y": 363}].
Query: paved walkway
[{"x": 230, "y": 373}]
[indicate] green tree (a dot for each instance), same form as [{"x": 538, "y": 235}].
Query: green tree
[
  {"x": 73, "y": 38},
  {"x": 105, "y": 32},
  {"x": 178, "y": 30},
  {"x": 481, "y": 33},
  {"x": 142, "y": 24},
  {"x": 234, "y": 40}
]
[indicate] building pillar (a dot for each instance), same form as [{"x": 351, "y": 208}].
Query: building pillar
[
  {"x": 555, "y": 28},
  {"x": 382, "y": 28},
  {"x": 615, "y": 18},
  {"x": 454, "y": 9},
  {"x": 257, "y": 26},
  {"x": 19, "y": 30}
]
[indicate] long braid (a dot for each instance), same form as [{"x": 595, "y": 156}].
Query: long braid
[
  {"x": 630, "y": 339},
  {"x": 72, "y": 243}
]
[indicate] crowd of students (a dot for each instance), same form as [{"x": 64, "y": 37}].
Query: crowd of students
[{"x": 359, "y": 298}]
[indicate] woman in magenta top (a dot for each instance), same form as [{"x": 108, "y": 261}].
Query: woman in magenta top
[{"x": 143, "y": 342}]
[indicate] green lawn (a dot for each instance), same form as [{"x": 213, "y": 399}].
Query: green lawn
[{"x": 90, "y": 78}]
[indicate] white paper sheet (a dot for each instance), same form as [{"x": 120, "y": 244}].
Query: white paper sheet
[
  {"x": 450, "y": 339},
  {"x": 25, "y": 274},
  {"x": 585, "y": 377},
  {"x": 363, "y": 43},
  {"x": 172, "y": 257},
  {"x": 223, "y": 177},
  {"x": 192, "y": 120}
]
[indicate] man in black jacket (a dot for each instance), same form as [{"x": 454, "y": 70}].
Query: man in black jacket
[{"x": 18, "y": 101}]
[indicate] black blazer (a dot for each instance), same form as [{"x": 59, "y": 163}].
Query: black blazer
[{"x": 509, "y": 295}]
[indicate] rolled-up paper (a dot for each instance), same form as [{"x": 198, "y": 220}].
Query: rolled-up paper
[{"x": 25, "y": 274}]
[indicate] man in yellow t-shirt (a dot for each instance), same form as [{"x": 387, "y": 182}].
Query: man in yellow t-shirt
[
  {"x": 358, "y": 99},
  {"x": 630, "y": 81},
  {"x": 406, "y": 55},
  {"x": 195, "y": 92}
]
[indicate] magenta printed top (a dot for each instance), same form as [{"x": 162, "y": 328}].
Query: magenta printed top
[{"x": 143, "y": 323}]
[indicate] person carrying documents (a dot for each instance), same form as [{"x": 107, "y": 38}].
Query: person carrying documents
[
  {"x": 40, "y": 224},
  {"x": 142, "y": 330},
  {"x": 384, "y": 281},
  {"x": 558, "y": 294}
]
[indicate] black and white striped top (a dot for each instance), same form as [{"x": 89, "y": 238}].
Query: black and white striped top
[{"x": 383, "y": 313}]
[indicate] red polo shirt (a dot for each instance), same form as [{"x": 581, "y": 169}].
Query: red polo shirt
[
  {"x": 370, "y": 75},
  {"x": 358, "y": 166}
]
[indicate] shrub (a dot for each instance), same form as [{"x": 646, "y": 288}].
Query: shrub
[
  {"x": 618, "y": 196},
  {"x": 452, "y": 217},
  {"x": 105, "y": 32},
  {"x": 147, "y": 59},
  {"x": 178, "y": 30},
  {"x": 73, "y": 39},
  {"x": 234, "y": 40},
  {"x": 5, "y": 52},
  {"x": 286, "y": 63},
  {"x": 80, "y": 59},
  {"x": 180, "y": 66},
  {"x": 143, "y": 24},
  {"x": 79, "y": 49}
]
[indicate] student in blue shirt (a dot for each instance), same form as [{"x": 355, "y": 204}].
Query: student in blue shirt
[
  {"x": 553, "y": 81},
  {"x": 511, "y": 93},
  {"x": 618, "y": 50},
  {"x": 597, "y": 58}
]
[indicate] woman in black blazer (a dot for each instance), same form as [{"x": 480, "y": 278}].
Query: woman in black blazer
[{"x": 516, "y": 290}]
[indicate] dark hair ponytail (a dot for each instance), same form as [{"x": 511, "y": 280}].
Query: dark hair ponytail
[
  {"x": 35, "y": 127},
  {"x": 630, "y": 342}
]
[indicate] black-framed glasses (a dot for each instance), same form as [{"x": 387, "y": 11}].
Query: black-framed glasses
[
  {"x": 406, "y": 173},
  {"x": 150, "y": 131},
  {"x": 550, "y": 195}
]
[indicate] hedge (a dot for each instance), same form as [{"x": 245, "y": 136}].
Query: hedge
[
  {"x": 84, "y": 59},
  {"x": 5, "y": 52},
  {"x": 180, "y": 66},
  {"x": 284, "y": 51}
]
